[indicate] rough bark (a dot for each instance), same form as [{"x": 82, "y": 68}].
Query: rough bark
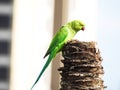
[{"x": 82, "y": 69}]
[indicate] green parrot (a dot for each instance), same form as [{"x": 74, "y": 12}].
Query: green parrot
[{"x": 65, "y": 33}]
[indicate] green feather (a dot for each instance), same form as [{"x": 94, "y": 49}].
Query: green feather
[
  {"x": 58, "y": 39},
  {"x": 55, "y": 46},
  {"x": 45, "y": 66},
  {"x": 65, "y": 34}
]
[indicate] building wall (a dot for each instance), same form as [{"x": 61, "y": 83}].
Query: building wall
[{"x": 5, "y": 42}]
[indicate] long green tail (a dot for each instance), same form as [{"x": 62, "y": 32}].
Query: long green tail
[{"x": 44, "y": 68}]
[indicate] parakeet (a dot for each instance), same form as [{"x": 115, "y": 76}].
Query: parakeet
[{"x": 65, "y": 33}]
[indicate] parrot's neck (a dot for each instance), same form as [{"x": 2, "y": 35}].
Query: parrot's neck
[{"x": 71, "y": 28}]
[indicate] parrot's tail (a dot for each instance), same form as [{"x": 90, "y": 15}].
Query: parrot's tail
[{"x": 44, "y": 68}]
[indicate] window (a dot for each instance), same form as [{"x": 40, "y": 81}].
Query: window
[
  {"x": 5, "y": 40},
  {"x": 5, "y": 1},
  {"x": 4, "y": 47},
  {"x": 4, "y": 21}
]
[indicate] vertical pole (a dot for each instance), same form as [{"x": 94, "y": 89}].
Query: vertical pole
[
  {"x": 55, "y": 63},
  {"x": 60, "y": 18}
]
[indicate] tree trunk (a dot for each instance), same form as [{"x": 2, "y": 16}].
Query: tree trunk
[{"x": 82, "y": 69}]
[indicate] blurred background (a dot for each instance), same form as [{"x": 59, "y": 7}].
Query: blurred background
[
  {"x": 5, "y": 42},
  {"x": 27, "y": 27}
]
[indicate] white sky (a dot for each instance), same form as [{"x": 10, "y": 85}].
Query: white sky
[{"x": 108, "y": 39}]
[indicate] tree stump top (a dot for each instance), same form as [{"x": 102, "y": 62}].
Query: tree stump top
[{"x": 82, "y": 69}]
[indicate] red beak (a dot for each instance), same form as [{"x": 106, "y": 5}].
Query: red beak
[{"x": 83, "y": 29}]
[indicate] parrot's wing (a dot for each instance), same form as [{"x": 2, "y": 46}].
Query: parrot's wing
[
  {"x": 55, "y": 46},
  {"x": 58, "y": 39}
]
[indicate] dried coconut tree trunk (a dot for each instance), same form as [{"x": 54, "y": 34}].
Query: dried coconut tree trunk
[{"x": 82, "y": 68}]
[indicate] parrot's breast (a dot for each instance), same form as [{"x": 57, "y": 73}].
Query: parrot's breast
[{"x": 71, "y": 34}]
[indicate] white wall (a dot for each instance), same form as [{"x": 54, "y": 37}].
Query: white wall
[
  {"x": 31, "y": 35},
  {"x": 87, "y": 11}
]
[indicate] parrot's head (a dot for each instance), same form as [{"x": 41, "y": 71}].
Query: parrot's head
[{"x": 78, "y": 25}]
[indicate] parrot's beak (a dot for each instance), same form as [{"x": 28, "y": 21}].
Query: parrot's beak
[{"x": 83, "y": 29}]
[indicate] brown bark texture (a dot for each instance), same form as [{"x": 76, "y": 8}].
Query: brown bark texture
[{"x": 82, "y": 69}]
